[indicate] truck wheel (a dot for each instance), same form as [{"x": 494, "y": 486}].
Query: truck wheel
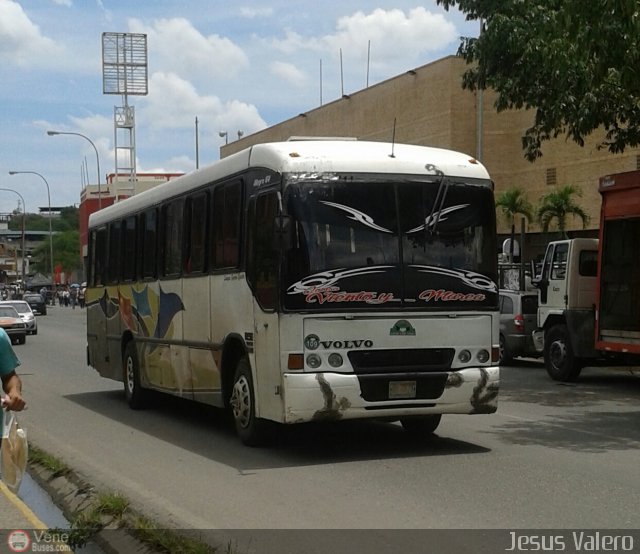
[
  {"x": 559, "y": 359},
  {"x": 251, "y": 430},
  {"x": 137, "y": 396},
  {"x": 421, "y": 425},
  {"x": 505, "y": 355}
]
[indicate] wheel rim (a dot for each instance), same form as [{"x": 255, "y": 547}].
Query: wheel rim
[
  {"x": 241, "y": 401},
  {"x": 557, "y": 354},
  {"x": 129, "y": 374}
]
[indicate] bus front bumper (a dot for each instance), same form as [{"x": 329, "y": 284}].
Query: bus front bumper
[{"x": 334, "y": 396}]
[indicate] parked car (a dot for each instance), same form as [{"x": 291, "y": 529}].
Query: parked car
[
  {"x": 26, "y": 314},
  {"x": 518, "y": 314},
  {"x": 12, "y": 323},
  {"x": 37, "y": 303}
]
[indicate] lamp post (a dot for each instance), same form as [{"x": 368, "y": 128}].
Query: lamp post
[
  {"x": 54, "y": 133},
  {"x": 49, "y": 200},
  {"x": 24, "y": 253},
  {"x": 225, "y": 136}
]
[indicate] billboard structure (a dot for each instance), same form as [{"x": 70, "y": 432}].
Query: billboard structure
[{"x": 125, "y": 72}]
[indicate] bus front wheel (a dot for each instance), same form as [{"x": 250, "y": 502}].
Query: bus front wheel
[
  {"x": 252, "y": 430},
  {"x": 135, "y": 394},
  {"x": 421, "y": 425}
]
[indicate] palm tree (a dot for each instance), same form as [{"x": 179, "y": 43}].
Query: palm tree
[
  {"x": 558, "y": 204},
  {"x": 512, "y": 202}
]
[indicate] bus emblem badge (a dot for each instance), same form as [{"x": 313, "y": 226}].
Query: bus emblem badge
[
  {"x": 402, "y": 328},
  {"x": 312, "y": 342}
]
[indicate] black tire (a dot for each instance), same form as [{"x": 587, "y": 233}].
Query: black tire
[
  {"x": 505, "y": 356},
  {"x": 421, "y": 426},
  {"x": 22, "y": 339},
  {"x": 251, "y": 430},
  {"x": 559, "y": 358},
  {"x": 136, "y": 395}
]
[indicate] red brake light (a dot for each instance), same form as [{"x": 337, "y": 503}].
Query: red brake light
[{"x": 519, "y": 322}]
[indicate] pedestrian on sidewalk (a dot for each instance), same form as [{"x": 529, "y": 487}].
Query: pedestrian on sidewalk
[{"x": 11, "y": 383}]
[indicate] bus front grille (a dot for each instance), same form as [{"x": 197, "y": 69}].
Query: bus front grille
[{"x": 409, "y": 360}]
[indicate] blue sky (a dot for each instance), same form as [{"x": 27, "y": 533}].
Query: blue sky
[{"x": 234, "y": 65}]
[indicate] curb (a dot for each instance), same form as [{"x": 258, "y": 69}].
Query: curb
[{"x": 74, "y": 496}]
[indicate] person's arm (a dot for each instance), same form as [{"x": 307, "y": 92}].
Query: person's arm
[{"x": 12, "y": 387}]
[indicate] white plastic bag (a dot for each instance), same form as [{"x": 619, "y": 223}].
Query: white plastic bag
[{"x": 14, "y": 452}]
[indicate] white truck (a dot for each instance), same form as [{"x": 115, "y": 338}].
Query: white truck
[{"x": 589, "y": 289}]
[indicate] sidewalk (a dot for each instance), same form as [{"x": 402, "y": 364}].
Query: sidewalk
[{"x": 15, "y": 514}]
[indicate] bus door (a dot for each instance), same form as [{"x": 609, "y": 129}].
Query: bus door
[{"x": 262, "y": 272}]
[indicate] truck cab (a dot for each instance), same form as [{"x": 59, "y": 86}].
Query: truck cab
[{"x": 567, "y": 288}]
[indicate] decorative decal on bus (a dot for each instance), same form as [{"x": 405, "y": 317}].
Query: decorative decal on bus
[
  {"x": 357, "y": 215},
  {"x": 327, "y": 279},
  {"x": 449, "y": 296},
  {"x": 142, "y": 309},
  {"x": 437, "y": 217},
  {"x": 470, "y": 278},
  {"x": 323, "y": 295}
]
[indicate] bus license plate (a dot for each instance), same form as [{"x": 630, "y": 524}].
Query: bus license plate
[{"x": 402, "y": 389}]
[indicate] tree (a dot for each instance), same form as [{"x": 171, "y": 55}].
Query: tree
[
  {"x": 512, "y": 202},
  {"x": 66, "y": 253},
  {"x": 558, "y": 204},
  {"x": 574, "y": 62}
]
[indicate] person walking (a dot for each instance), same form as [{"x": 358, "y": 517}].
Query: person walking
[{"x": 11, "y": 383}]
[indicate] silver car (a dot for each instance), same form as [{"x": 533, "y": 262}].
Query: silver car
[
  {"x": 26, "y": 314},
  {"x": 518, "y": 319}
]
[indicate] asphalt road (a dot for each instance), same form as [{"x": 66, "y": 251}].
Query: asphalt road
[{"x": 554, "y": 456}]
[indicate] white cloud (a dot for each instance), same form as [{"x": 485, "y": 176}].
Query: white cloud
[
  {"x": 250, "y": 12},
  {"x": 289, "y": 73},
  {"x": 21, "y": 42},
  {"x": 68, "y": 3},
  {"x": 393, "y": 33},
  {"x": 177, "y": 46},
  {"x": 173, "y": 103}
]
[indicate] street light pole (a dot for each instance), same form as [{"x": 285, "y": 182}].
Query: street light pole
[
  {"x": 24, "y": 253},
  {"x": 49, "y": 200},
  {"x": 54, "y": 133}
]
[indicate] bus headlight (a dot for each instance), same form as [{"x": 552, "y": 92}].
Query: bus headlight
[
  {"x": 314, "y": 361},
  {"x": 464, "y": 356},
  {"x": 335, "y": 360},
  {"x": 483, "y": 356}
]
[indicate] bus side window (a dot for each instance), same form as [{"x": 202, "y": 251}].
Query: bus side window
[
  {"x": 196, "y": 220},
  {"x": 226, "y": 219},
  {"x": 97, "y": 255},
  {"x": 147, "y": 251},
  {"x": 172, "y": 231},
  {"x": 129, "y": 249},
  {"x": 111, "y": 270},
  {"x": 265, "y": 256}
]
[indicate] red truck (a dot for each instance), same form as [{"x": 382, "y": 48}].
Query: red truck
[{"x": 589, "y": 290}]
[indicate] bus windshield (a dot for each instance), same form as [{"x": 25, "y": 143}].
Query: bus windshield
[{"x": 362, "y": 243}]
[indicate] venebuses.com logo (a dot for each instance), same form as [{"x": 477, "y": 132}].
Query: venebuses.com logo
[{"x": 18, "y": 541}]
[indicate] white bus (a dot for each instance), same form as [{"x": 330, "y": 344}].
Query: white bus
[{"x": 308, "y": 280}]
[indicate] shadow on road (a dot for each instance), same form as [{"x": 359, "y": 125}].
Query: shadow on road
[{"x": 209, "y": 432}]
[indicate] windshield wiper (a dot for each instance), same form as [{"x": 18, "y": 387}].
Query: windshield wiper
[{"x": 431, "y": 222}]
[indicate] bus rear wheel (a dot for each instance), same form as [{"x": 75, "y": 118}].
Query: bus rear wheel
[
  {"x": 421, "y": 425},
  {"x": 135, "y": 394},
  {"x": 251, "y": 430}
]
